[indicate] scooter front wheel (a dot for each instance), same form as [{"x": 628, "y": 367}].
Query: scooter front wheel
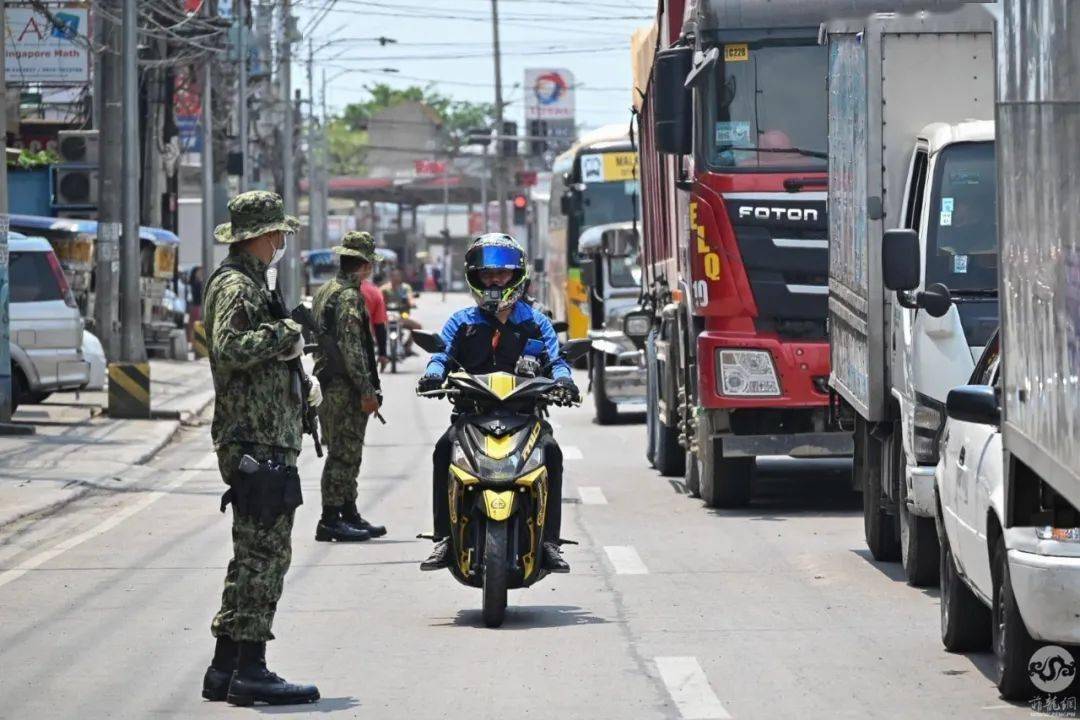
[{"x": 495, "y": 542}]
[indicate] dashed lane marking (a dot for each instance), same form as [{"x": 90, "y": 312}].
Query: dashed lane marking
[
  {"x": 592, "y": 496},
  {"x": 625, "y": 560},
  {"x": 571, "y": 452},
  {"x": 101, "y": 528},
  {"x": 689, "y": 688}
]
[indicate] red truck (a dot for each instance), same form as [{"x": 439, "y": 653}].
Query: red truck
[{"x": 733, "y": 131}]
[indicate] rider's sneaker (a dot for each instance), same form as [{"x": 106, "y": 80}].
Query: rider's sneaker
[
  {"x": 553, "y": 559},
  {"x": 440, "y": 556}
]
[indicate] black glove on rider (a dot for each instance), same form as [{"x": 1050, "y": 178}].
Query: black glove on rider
[
  {"x": 428, "y": 383},
  {"x": 569, "y": 389}
]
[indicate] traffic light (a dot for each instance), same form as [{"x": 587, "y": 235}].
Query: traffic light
[
  {"x": 510, "y": 146},
  {"x": 521, "y": 209}
]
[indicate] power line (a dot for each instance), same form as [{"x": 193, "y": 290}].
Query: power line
[{"x": 466, "y": 56}]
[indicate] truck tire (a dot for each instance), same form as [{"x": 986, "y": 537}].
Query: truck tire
[
  {"x": 965, "y": 621},
  {"x": 1013, "y": 645},
  {"x": 607, "y": 412},
  {"x": 879, "y": 527},
  {"x": 727, "y": 482},
  {"x": 670, "y": 456},
  {"x": 919, "y": 552}
]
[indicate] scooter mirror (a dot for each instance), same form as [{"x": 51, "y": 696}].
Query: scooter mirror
[
  {"x": 576, "y": 349},
  {"x": 429, "y": 342}
]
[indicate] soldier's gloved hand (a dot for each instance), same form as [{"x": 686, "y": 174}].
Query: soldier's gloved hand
[
  {"x": 369, "y": 404},
  {"x": 314, "y": 396},
  {"x": 427, "y": 383},
  {"x": 570, "y": 390},
  {"x": 294, "y": 351}
]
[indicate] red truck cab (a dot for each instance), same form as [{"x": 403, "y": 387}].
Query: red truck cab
[{"x": 733, "y": 133}]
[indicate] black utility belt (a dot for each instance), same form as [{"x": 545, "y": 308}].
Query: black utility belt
[{"x": 264, "y": 491}]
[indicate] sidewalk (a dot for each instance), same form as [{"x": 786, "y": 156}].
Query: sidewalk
[{"x": 77, "y": 448}]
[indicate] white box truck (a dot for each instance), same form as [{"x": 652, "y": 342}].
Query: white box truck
[{"x": 912, "y": 255}]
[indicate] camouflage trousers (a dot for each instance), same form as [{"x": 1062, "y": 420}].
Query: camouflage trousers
[
  {"x": 261, "y": 557},
  {"x": 343, "y": 425}
]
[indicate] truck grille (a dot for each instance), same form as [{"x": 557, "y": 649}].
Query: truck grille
[{"x": 783, "y": 241}]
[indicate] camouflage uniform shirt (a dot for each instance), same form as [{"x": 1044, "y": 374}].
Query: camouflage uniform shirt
[
  {"x": 253, "y": 388},
  {"x": 351, "y": 330}
]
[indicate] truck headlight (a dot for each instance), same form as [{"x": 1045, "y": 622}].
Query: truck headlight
[
  {"x": 1059, "y": 534},
  {"x": 747, "y": 373},
  {"x": 929, "y": 422}
]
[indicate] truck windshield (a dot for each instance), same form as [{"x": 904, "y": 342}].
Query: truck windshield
[
  {"x": 961, "y": 248},
  {"x": 608, "y": 202},
  {"x": 765, "y": 108},
  {"x": 625, "y": 270}
]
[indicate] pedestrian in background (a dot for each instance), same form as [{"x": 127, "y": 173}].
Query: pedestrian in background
[
  {"x": 376, "y": 307},
  {"x": 345, "y": 366},
  {"x": 194, "y": 299},
  {"x": 256, "y": 432}
]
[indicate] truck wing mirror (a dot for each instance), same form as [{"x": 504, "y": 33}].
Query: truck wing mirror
[
  {"x": 672, "y": 109},
  {"x": 900, "y": 265},
  {"x": 974, "y": 404},
  {"x": 588, "y": 272},
  {"x": 935, "y": 300}
]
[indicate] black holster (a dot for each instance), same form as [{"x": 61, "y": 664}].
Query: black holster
[{"x": 264, "y": 491}]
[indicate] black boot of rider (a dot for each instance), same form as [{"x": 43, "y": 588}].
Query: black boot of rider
[
  {"x": 253, "y": 682},
  {"x": 215, "y": 684},
  {"x": 553, "y": 559},
  {"x": 332, "y": 528},
  {"x": 351, "y": 515}
]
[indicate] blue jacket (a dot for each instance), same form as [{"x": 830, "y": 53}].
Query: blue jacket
[{"x": 460, "y": 329}]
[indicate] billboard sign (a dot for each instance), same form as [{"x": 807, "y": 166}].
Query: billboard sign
[
  {"x": 549, "y": 94},
  {"x": 39, "y": 51}
]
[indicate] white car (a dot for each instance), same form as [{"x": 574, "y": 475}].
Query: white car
[
  {"x": 46, "y": 328},
  {"x": 1013, "y": 588}
]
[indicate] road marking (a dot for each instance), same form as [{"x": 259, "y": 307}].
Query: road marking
[
  {"x": 690, "y": 689},
  {"x": 592, "y": 496},
  {"x": 101, "y": 528},
  {"x": 625, "y": 560},
  {"x": 571, "y": 452}
]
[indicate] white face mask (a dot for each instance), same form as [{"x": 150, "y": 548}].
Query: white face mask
[{"x": 280, "y": 252}]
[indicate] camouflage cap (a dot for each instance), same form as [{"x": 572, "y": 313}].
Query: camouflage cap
[
  {"x": 357, "y": 244},
  {"x": 255, "y": 213}
]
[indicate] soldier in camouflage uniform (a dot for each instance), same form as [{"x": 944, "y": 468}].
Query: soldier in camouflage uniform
[
  {"x": 255, "y": 414},
  {"x": 345, "y": 365}
]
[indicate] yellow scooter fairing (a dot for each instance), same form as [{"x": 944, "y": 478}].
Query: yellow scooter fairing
[{"x": 498, "y": 505}]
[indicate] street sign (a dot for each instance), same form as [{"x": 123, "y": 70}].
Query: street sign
[
  {"x": 549, "y": 94},
  {"x": 608, "y": 167},
  {"x": 40, "y": 52}
]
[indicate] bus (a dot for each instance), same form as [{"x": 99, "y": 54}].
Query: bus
[{"x": 592, "y": 183}]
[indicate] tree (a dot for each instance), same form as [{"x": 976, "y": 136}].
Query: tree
[
  {"x": 458, "y": 116},
  {"x": 345, "y": 147}
]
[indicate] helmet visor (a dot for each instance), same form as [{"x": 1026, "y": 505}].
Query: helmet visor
[{"x": 494, "y": 257}]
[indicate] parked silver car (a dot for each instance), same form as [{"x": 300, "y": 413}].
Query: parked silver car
[{"x": 46, "y": 327}]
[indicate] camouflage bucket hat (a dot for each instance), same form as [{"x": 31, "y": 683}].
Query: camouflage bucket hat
[
  {"x": 255, "y": 213},
  {"x": 357, "y": 244}
]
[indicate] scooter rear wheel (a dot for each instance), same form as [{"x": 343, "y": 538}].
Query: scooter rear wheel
[{"x": 495, "y": 542}]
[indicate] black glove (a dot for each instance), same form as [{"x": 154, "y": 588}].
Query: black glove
[
  {"x": 569, "y": 389},
  {"x": 428, "y": 383}
]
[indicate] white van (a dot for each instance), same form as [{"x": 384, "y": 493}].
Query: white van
[{"x": 46, "y": 328}]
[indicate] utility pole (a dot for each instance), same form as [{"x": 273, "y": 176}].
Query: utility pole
[
  {"x": 314, "y": 211},
  {"x": 242, "y": 92},
  {"x": 207, "y": 169},
  {"x": 291, "y": 271},
  {"x": 134, "y": 349},
  {"x": 446, "y": 227},
  {"x": 110, "y": 136},
  {"x": 500, "y": 180}
]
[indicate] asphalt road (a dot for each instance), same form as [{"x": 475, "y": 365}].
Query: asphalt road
[{"x": 671, "y": 610}]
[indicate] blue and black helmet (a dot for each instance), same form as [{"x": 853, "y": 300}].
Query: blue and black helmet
[{"x": 496, "y": 251}]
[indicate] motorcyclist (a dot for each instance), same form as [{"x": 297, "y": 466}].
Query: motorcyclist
[{"x": 490, "y": 338}]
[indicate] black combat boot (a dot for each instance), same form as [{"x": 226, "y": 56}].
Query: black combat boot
[
  {"x": 332, "y": 528},
  {"x": 351, "y": 515},
  {"x": 553, "y": 559},
  {"x": 253, "y": 682},
  {"x": 440, "y": 556},
  {"x": 215, "y": 684}
]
